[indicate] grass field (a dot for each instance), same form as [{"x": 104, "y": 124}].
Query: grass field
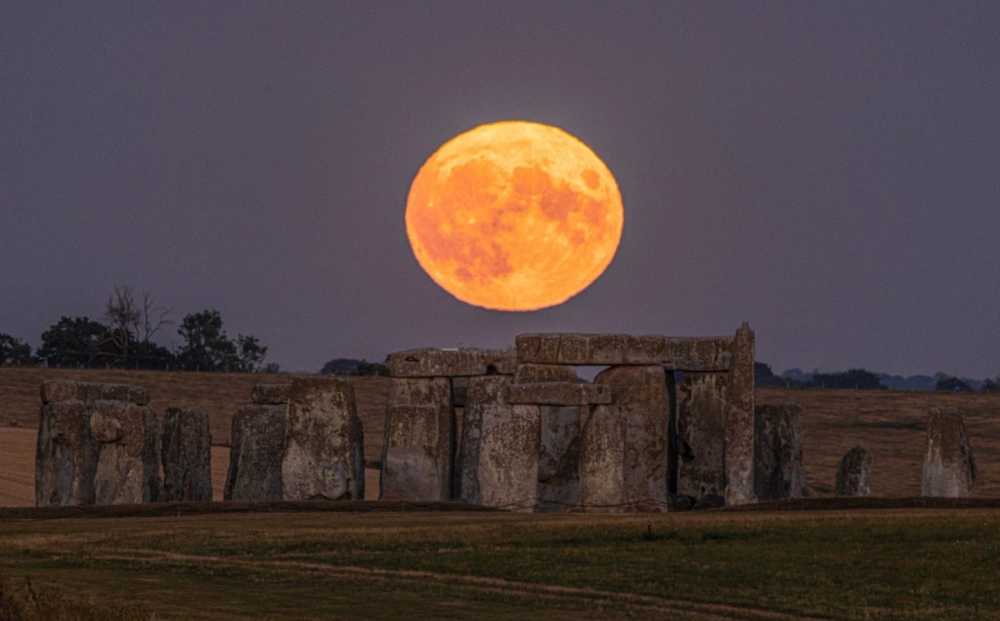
[{"x": 895, "y": 564}]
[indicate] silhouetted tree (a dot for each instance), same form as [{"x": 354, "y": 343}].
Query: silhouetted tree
[
  {"x": 122, "y": 314},
  {"x": 149, "y": 355},
  {"x": 761, "y": 370},
  {"x": 14, "y": 352},
  {"x": 77, "y": 342},
  {"x": 764, "y": 377},
  {"x": 132, "y": 324},
  {"x": 857, "y": 379},
  {"x": 250, "y": 354},
  {"x": 339, "y": 366},
  {"x": 353, "y": 366},
  {"x": 952, "y": 384},
  {"x": 207, "y": 348},
  {"x": 370, "y": 369}
]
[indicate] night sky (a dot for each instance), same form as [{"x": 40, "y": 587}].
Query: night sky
[{"x": 827, "y": 171}]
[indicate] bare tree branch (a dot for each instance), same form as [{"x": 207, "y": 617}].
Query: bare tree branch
[
  {"x": 122, "y": 314},
  {"x": 153, "y": 317}
]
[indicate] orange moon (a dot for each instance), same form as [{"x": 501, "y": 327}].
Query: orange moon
[{"x": 514, "y": 216}]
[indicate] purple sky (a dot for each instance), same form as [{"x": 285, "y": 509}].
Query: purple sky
[{"x": 827, "y": 171}]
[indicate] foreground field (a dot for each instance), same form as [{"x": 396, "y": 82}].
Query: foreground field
[{"x": 898, "y": 564}]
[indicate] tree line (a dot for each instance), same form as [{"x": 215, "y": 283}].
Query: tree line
[
  {"x": 858, "y": 379},
  {"x": 124, "y": 339}
]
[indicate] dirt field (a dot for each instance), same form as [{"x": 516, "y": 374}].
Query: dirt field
[{"x": 891, "y": 423}]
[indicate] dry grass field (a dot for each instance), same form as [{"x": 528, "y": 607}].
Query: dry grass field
[{"x": 891, "y": 423}]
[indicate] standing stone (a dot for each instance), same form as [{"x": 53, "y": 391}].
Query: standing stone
[
  {"x": 559, "y": 443},
  {"x": 65, "y": 455},
  {"x": 779, "y": 472},
  {"x": 419, "y": 446},
  {"x": 739, "y": 441},
  {"x": 700, "y": 434},
  {"x": 949, "y": 469},
  {"x": 120, "y": 477},
  {"x": 256, "y": 446},
  {"x": 854, "y": 473},
  {"x": 508, "y": 457},
  {"x": 498, "y": 457},
  {"x": 559, "y": 458},
  {"x": 187, "y": 455},
  {"x": 152, "y": 486},
  {"x": 640, "y": 399},
  {"x": 324, "y": 447},
  {"x": 602, "y": 461},
  {"x": 485, "y": 393}
]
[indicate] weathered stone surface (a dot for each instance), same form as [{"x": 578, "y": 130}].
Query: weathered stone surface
[
  {"x": 949, "y": 469},
  {"x": 538, "y": 373},
  {"x": 65, "y": 455},
  {"x": 701, "y": 432},
  {"x": 602, "y": 461},
  {"x": 120, "y": 477},
  {"x": 270, "y": 394},
  {"x": 256, "y": 447},
  {"x": 117, "y": 392},
  {"x": 508, "y": 457},
  {"x": 56, "y": 390},
  {"x": 559, "y": 459},
  {"x": 687, "y": 354},
  {"x": 488, "y": 392},
  {"x": 452, "y": 362},
  {"x": 560, "y": 393},
  {"x": 596, "y": 349},
  {"x": 324, "y": 445},
  {"x": 187, "y": 455},
  {"x": 854, "y": 473},
  {"x": 739, "y": 441},
  {"x": 419, "y": 446},
  {"x": 152, "y": 486},
  {"x": 53, "y": 391},
  {"x": 699, "y": 354},
  {"x": 779, "y": 472},
  {"x": 639, "y": 396}
]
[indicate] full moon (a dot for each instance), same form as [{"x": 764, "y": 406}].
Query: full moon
[{"x": 514, "y": 216}]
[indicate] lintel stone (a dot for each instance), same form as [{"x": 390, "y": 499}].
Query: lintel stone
[
  {"x": 452, "y": 362},
  {"x": 270, "y": 394},
  {"x": 560, "y": 393},
  {"x": 534, "y": 373},
  {"x": 55, "y": 390},
  {"x": 681, "y": 354},
  {"x": 700, "y": 354}
]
